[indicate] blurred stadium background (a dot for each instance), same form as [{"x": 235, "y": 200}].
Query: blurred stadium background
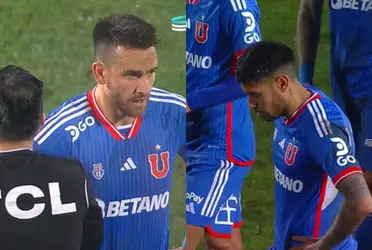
[{"x": 52, "y": 38}]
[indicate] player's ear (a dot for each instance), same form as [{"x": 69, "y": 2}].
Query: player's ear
[
  {"x": 98, "y": 70},
  {"x": 282, "y": 82}
]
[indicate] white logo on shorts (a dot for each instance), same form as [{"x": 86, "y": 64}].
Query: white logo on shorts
[{"x": 226, "y": 211}]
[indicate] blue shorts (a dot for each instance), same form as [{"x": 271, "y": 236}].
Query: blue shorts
[
  {"x": 213, "y": 199},
  {"x": 359, "y": 112}
]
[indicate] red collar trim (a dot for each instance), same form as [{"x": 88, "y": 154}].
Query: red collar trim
[
  {"x": 132, "y": 132},
  {"x": 298, "y": 111}
]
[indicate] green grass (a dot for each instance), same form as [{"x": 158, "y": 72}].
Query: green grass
[{"x": 52, "y": 39}]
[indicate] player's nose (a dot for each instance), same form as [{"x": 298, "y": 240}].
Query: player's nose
[{"x": 145, "y": 84}]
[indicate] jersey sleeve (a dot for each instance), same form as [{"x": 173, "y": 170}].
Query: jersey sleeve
[
  {"x": 241, "y": 21},
  {"x": 334, "y": 151},
  {"x": 52, "y": 141}
]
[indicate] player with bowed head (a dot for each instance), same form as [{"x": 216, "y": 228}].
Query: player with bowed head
[
  {"x": 126, "y": 133},
  {"x": 320, "y": 193},
  {"x": 220, "y": 137},
  {"x": 351, "y": 73}
]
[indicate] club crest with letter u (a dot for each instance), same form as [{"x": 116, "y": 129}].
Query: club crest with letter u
[{"x": 98, "y": 171}]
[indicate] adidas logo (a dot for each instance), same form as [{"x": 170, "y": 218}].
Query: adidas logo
[
  {"x": 128, "y": 165},
  {"x": 190, "y": 208}
]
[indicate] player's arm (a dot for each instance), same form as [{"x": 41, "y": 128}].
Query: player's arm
[
  {"x": 93, "y": 222},
  {"x": 240, "y": 23},
  {"x": 308, "y": 32},
  {"x": 357, "y": 205},
  {"x": 335, "y": 153}
]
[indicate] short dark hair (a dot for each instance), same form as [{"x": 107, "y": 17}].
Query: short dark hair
[
  {"x": 261, "y": 60},
  {"x": 124, "y": 30},
  {"x": 21, "y": 104}
]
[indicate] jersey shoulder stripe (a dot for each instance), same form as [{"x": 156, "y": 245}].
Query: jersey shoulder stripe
[
  {"x": 238, "y": 5},
  {"x": 319, "y": 117},
  {"x": 68, "y": 111},
  {"x": 163, "y": 96}
]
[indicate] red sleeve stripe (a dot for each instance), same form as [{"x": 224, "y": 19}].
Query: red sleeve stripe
[
  {"x": 235, "y": 58},
  {"x": 345, "y": 173}
]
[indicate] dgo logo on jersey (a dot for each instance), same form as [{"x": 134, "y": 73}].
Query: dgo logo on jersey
[
  {"x": 98, "y": 171},
  {"x": 343, "y": 153},
  {"x": 81, "y": 127}
]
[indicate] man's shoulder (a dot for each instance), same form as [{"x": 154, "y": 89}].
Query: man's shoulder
[
  {"x": 322, "y": 115},
  {"x": 166, "y": 103},
  {"x": 56, "y": 162},
  {"x": 69, "y": 114}
]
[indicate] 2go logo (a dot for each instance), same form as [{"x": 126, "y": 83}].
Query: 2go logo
[
  {"x": 250, "y": 34},
  {"x": 81, "y": 127},
  {"x": 179, "y": 23},
  {"x": 343, "y": 156}
]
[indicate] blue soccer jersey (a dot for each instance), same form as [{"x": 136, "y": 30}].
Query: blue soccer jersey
[
  {"x": 220, "y": 137},
  {"x": 313, "y": 151},
  {"x": 351, "y": 50},
  {"x": 218, "y": 31},
  {"x": 130, "y": 167}
]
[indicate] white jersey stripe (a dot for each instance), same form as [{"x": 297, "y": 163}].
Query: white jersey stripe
[
  {"x": 233, "y": 5},
  {"x": 238, "y": 2},
  {"x": 319, "y": 118},
  {"x": 168, "y": 101},
  {"x": 244, "y": 4},
  {"x": 67, "y": 112},
  {"x": 158, "y": 94},
  {"x": 238, "y": 5},
  {"x": 66, "y": 119},
  {"x": 74, "y": 103},
  {"x": 155, "y": 90},
  {"x": 327, "y": 124},
  {"x": 315, "y": 120}
]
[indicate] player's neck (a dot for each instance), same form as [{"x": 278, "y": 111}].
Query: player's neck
[
  {"x": 298, "y": 97},
  {"x": 11, "y": 146},
  {"x": 115, "y": 116}
]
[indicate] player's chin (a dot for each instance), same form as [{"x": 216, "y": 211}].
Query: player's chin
[{"x": 137, "y": 111}]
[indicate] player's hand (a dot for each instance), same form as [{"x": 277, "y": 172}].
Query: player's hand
[{"x": 309, "y": 243}]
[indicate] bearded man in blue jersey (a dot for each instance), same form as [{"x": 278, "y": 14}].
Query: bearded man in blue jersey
[{"x": 125, "y": 132}]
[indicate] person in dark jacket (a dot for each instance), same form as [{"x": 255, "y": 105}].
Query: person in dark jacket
[{"x": 46, "y": 202}]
